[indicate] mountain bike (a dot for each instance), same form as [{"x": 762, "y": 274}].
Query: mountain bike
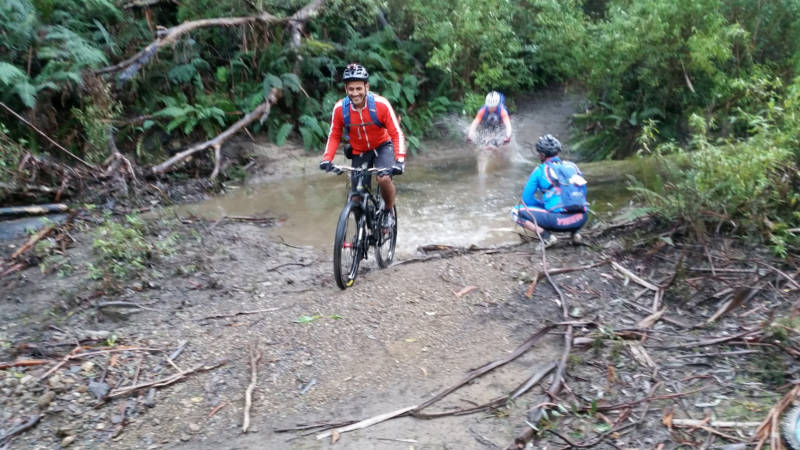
[{"x": 360, "y": 227}]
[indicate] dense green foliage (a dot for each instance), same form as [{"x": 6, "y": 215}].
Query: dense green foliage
[{"x": 713, "y": 81}]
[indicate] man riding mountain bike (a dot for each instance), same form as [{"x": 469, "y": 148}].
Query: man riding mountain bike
[
  {"x": 490, "y": 115},
  {"x": 368, "y": 122}
]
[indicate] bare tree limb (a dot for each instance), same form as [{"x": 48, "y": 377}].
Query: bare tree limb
[
  {"x": 296, "y": 21},
  {"x": 262, "y": 110}
]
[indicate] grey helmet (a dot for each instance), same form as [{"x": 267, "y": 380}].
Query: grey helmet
[
  {"x": 548, "y": 145},
  {"x": 355, "y": 72}
]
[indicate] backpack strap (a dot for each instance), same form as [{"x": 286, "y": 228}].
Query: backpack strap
[
  {"x": 346, "y": 117},
  {"x": 548, "y": 167},
  {"x": 373, "y": 110},
  {"x": 373, "y": 114}
]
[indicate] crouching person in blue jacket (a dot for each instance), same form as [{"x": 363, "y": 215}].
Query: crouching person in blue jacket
[{"x": 562, "y": 204}]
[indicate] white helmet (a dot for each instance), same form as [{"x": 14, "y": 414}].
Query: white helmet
[{"x": 492, "y": 99}]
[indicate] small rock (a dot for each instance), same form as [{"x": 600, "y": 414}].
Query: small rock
[
  {"x": 150, "y": 400},
  {"x": 25, "y": 380},
  {"x": 82, "y": 388},
  {"x": 45, "y": 399},
  {"x": 56, "y": 384},
  {"x": 99, "y": 389},
  {"x": 87, "y": 366},
  {"x": 197, "y": 399},
  {"x": 100, "y": 426},
  {"x": 65, "y": 430},
  {"x": 185, "y": 437},
  {"x": 576, "y": 312},
  {"x": 194, "y": 428},
  {"x": 67, "y": 441}
]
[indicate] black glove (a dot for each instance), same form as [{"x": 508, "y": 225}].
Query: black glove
[
  {"x": 327, "y": 166},
  {"x": 398, "y": 168}
]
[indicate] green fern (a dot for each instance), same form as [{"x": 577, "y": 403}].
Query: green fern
[{"x": 283, "y": 133}]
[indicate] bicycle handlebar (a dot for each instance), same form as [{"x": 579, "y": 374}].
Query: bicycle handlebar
[{"x": 357, "y": 169}]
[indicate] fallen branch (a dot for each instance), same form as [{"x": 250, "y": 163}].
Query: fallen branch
[
  {"x": 770, "y": 426},
  {"x": 164, "y": 381},
  {"x": 216, "y": 143},
  {"x": 23, "y": 363},
  {"x": 33, "y": 240},
  {"x": 102, "y": 305},
  {"x": 536, "y": 413},
  {"x": 33, "y": 210},
  {"x": 634, "y": 277},
  {"x": 712, "y": 341},
  {"x": 367, "y": 422},
  {"x": 714, "y": 423},
  {"x": 534, "y": 379},
  {"x": 540, "y": 275},
  {"x": 740, "y": 296},
  {"x": 248, "y": 393},
  {"x": 25, "y": 426},
  {"x": 240, "y": 313},
  {"x": 475, "y": 373}
]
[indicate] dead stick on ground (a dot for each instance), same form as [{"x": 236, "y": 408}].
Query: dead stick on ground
[
  {"x": 32, "y": 241},
  {"x": 248, "y": 394},
  {"x": 102, "y": 305},
  {"x": 558, "y": 379},
  {"x": 23, "y": 363},
  {"x": 537, "y": 377},
  {"x": 712, "y": 341},
  {"x": 471, "y": 375},
  {"x": 222, "y": 316},
  {"x": 29, "y": 424},
  {"x": 634, "y": 277},
  {"x": 714, "y": 423},
  {"x": 164, "y": 381},
  {"x": 368, "y": 422},
  {"x": 769, "y": 427}
]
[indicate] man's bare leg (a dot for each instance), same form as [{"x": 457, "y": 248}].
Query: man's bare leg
[{"x": 387, "y": 190}]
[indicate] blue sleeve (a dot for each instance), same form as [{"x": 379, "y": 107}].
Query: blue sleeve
[{"x": 531, "y": 188}]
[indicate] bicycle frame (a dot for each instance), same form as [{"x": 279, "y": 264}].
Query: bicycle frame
[
  {"x": 368, "y": 203},
  {"x": 364, "y": 211}
]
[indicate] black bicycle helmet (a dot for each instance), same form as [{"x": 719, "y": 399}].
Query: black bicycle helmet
[
  {"x": 355, "y": 72},
  {"x": 548, "y": 145}
]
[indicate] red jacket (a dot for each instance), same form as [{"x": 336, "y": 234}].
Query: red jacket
[{"x": 367, "y": 137}]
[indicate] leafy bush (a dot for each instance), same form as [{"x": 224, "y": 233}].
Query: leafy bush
[{"x": 750, "y": 185}]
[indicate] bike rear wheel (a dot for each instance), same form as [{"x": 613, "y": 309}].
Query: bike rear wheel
[
  {"x": 347, "y": 246},
  {"x": 387, "y": 239}
]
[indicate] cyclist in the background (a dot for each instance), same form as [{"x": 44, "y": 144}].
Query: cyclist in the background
[
  {"x": 490, "y": 116},
  {"x": 372, "y": 129}
]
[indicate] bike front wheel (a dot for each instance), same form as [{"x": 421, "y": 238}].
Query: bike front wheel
[
  {"x": 387, "y": 239},
  {"x": 346, "y": 247}
]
